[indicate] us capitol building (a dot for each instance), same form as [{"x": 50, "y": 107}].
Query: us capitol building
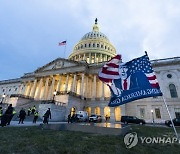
[{"x": 70, "y": 85}]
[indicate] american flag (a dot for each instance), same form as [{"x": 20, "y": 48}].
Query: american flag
[
  {"x": 62, "y": 43},
  {"x": 110, "y": 70},
  {"x": 143, "y": 64}
]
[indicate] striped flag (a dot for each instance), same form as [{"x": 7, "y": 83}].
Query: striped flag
[
  {"x": 137, "y": 80},
  {"x": 110, "y": 70},
  {"x": 62, "y": 43},
  {"x": 143, "y": 64}
]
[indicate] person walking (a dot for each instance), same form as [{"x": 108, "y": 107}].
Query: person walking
[
  {"x": 22, "y": 116},
  {"x": 46, "y": 116},
  {"x": 36, "y": 115}
]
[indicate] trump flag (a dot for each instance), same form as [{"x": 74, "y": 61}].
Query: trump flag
[
  {"x": 62, "y": 43},
  {"x": 136, "y": 80}
]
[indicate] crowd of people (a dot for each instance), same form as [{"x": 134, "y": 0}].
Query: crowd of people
[{"x": 9, "y": 113}]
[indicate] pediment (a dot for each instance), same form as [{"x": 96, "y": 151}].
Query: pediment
[{"x": 58, "y": 64}]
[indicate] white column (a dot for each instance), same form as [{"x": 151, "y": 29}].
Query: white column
[
  {"x": 74, "y": 83},
  {"x": 95, "y": 61},
  {"x": 29, "y": 89},
  {"x": 89, "y": 57},
  {"x": 82, "y": 86},
  {"x": 84, "y": 57},
  {"x": 106, "y": 58},
  {"x": 66, "y": 84},
  {"x": 79, "y": 58},
  {"x": 50, "y": 94},
  {"x": 45, "y": 88},
  {"x": 59, "y": 83},
  {"x": 94, "y": 88},
  {"x": 86, "y": 92},
  {"x": 102, "y": 94},
  {"x": 34, "y": 88},
  {"x": 101, "y": 58},
  {"x": 39, "y": 88}
]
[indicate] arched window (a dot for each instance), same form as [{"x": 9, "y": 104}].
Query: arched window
[{"x": 173, "y": 91}]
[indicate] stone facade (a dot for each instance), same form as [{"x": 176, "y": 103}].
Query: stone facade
[{"x": 74, "y": 85}]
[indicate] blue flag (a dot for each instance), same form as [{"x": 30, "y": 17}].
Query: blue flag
[{"x": 137, "y": 80}]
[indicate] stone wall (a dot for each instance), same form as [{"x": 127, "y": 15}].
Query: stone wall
[{"x": 57, "y": 112}]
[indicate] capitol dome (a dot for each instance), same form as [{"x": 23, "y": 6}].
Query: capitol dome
[{"x": 94, "y": 47}]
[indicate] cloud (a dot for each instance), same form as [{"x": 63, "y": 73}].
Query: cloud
[
  {"x": 31, "y": 30},
  {"x": 151, "y": 21}
]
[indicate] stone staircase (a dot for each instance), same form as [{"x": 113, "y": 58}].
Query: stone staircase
[
  {"x": 26, "y": 106},
  {"x": 58, "y": 110}
]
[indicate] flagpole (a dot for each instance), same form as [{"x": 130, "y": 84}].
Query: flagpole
[
  {"x": 65, "y": 50},
  {"x": 170, "y": 117}
]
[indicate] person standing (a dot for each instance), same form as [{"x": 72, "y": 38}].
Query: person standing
[
  {"x": 69, "y": 117},
  {"x": 22, "y": 116},
  {"x": 1, "y": 112},
  {"x": 29, "y": 111},
  {"x": 10, "y": 118},
  {"x": 46, "y": 116},
  {"x": 36, "y": 115},
  {"x": 9, "y": 114},
  {"x": 33, "y": 109}
]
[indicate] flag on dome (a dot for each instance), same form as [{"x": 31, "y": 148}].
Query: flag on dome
[
  {"x": 135, "y": 80},
  {"x": 110, "y": 70},
  {"x": 62, "y": 43}
]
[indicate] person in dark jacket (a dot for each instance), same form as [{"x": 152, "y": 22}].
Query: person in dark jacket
[
  {"x": 69, "y": 117},
  {"x": 46, "y": 116},
  {"x": 1, "y": 112},
  {"x": 9, "y": 114},
  {"x": 22, "y": 116}
]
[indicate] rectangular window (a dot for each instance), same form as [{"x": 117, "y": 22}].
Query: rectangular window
[
  {"x": 142, "y": 112},
  {"x": 157, "y": 113},
  {"x": 177, "y": 112}
]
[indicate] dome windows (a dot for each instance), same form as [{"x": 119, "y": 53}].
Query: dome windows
[{"x": 169, "y": 76}]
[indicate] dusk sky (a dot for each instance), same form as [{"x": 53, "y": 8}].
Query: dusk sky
[{"x": 30, "y": 30}]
